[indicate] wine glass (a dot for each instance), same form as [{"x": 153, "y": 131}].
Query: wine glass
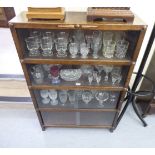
[
  {"x": 87, "y": 96},
  {"x": 99, "y": 68},
  {"x": 96, "y": 48},
  {"x": 73, "y": 49},
  {"x": 45, "y": 96},
  {"x": 116, "y": 75},
  {"x": 90, "y": 78},
  {"x": 98, "y": 79},
  {"x": 63, "y": 97},
  {"x": 102, "y": 96},
  {"x": 61, "y": 47},
  {"x": 37, "y": 36},
  {"x": 32, "y": 46},
  {"x": 107, "y": 70},
  {"x": 46, "y": 46},
  {"x": 72, "y": 96},
  {"x": 53, "y": 96}
]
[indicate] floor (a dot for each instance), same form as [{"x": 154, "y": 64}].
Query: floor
[{"x": 20, "y": 127}]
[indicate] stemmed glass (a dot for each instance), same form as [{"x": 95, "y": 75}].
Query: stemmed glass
[
  {"x": 96, "y": 48},
  {"x": 116, "y": 75},
  {"x": 61, "y": 47},
  {"x": 33, "y": 46},
  {"x": 45, "y": 96},
  {"x": 107, "y": 70},
  {"x": 46, "y": 45},
  {"x": 55, "y": 74},
  {"x": 98, "y": 79},
  {"x": 84, "y": 50},
  {"x": 102, "y": 96},
  {"x": 73, "y": 49},
  {"x": 53, "y": 96},
  {"x": 63, "y": 97},
  {"x": 37, "y": 36},
  {"x": 90, "y": 78},
  {"x": 87, "y": 96},
  {"x": 72, "y": 96}
]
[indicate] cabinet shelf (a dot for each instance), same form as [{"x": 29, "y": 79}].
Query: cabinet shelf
[
  {"x": 79, "y": 126},
  {"x": 78, "y": 61},
  {"x": 63, "y": 87},
  {"x": 76, "y": 110}
]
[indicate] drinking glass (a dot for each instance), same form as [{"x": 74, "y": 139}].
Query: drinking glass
[
  {"x": 95, "y": 75},
  {"x": 50, "y": 35},
  {"x": 72, "y": 96},
  {"x": 84, "y": 50},
  {"x": 37, "y": 74},
  {"x": 107, "y": 35},
  {"x": 116, "y": 75},
  {"x": 99, "y": 68},
  {"x": 121, "y": 49},
  {"x": 107, "y": 70},
  {"x": 116, "y": 78},
  {"x": 32, "y": 46},
  {"x": 64, "y": 35},
  {"x": 61, "y": 47},
  {"x": 53, "y": 96},
  {"x": 113, "y": 97},
  {"x": 87, "y": 96},
  {"x": 89, "y": 40},
  {"x": 119, "y": 35},
  {"x": 73, "y": 49},
  {"x": 63, "y": 97},
  {"x": 96, "y": 48},
  {"x": 55, "y": 74},
  {"x": 109, "y": 48},
  {"x": 44, "y": 93},
  {"x": 102, "y": 96},
  {"x": 98, "y": 79},
  {"x": 37, "y": 36},
  {"x": 46, "y": 45},
  {"x": 90, "y": 78}
]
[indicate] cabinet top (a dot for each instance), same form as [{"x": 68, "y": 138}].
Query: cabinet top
[{"x": 74, "y": 18}]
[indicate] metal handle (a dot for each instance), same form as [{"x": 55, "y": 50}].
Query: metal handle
[
  {"x": 65, "y": 26},
  {"x": 89, "y": 26}
]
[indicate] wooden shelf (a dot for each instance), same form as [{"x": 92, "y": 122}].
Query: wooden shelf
[
  {"x": 63, "y": 87},
  {"x": 77, "y": 61},
  {"x": 79, "y": 126},
  {"x": 76, "y": 110}
]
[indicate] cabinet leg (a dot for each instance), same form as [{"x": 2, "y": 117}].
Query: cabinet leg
[
  {"x": 111, "y": 130},
  {"x": 43, "y": 128}
]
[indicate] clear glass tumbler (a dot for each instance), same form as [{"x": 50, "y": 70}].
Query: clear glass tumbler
[
  {"x": 109, "y": 48},
  {"x": 121, "y": 49}
]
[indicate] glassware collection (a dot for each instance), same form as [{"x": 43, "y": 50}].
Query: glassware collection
[
  {"x": 77, "y": 44},
  {"x": 71, "y": 97},
  {"x": 57, "y": 74}
]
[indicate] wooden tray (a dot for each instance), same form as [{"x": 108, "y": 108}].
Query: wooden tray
[
  {"x": 112, "y": 14},
  {"x": 46, "y": 13}
]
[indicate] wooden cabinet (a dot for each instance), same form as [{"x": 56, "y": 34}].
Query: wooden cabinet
[
  {"x": 79, "y": 113},
  {"x": 6, "y": 13}
]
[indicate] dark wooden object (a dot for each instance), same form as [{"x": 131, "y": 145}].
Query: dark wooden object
[
  {"x": 78, "y": 20},
  {"x": 113, "y": 14},
  {"x": 6, "y": 13}
]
